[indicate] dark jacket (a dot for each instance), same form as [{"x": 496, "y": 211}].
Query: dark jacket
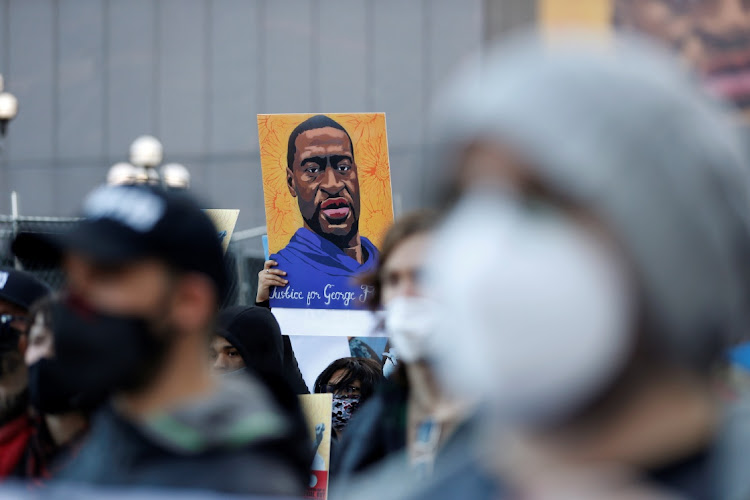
[
  {"x": 371, "y": 461},
  {"x": 292, "y": 373},
  {"x": 235, "y": 441},
  {"x": 43, "y": 456},
  {"x": 376, "y": 431}
]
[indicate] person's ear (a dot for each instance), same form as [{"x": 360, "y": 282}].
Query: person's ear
[
  {"x": 194, "y": 303},
  {"x": 290, "y": 182}
]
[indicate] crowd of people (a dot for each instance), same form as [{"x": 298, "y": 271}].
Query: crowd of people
[{"x": 562, "y": 319}]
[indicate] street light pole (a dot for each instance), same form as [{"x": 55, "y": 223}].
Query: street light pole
[{"x": 146, "y": 154}]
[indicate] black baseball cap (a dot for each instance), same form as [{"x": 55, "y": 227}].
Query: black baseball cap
[
  {"x": 122, "y": 224},
  {"x": 21, "y": 288}
]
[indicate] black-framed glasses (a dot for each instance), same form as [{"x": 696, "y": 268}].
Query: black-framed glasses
[{"x": 351, "y": 390}]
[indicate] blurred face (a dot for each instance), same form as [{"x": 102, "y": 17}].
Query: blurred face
[
  {"x": 523, "y": 274},
  {"x": 226, "y": 358},
  {"x": 324, "y": 180},
  {"x": 712, "y": 35},
  {"x": 400, "y": 273},
  {"x": 41, "y": 343},
  {"x": 353, "y": 390},
  {"x": 136, "y": 289}
]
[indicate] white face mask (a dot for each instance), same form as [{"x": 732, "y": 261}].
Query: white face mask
[
  {"x": 534, "y": 309},
  {"x": 409, "y": 322}
]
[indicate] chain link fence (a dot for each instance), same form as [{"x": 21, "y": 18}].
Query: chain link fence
[
  {"x": 244, "y": 257},
  {"x": 10, "y": 226}
]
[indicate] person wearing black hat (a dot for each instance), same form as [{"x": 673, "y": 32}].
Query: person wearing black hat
[
  {"x": 145, "y": 276},
  {"x": 18, "y": 290}
]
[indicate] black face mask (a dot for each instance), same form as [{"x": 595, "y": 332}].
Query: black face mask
[
  {"x": 104, "y": 353},
  {"x": 53, "y": 391},
  {"x": 9, "y": 337}
]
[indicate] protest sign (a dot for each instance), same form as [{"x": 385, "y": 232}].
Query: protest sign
[
  {"x": 317, "y": 410},
  {"x": 224, "y": 220},
  {"x": 315, "y": 353},
  {"x": 712, "y": 37},
  {"x": 327, "y": 189}
]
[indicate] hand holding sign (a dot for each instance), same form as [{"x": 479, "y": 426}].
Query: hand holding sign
[{"x": 268, "y": 277}]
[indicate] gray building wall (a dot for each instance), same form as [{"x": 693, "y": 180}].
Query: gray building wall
[{"x": 91, "y": 75}]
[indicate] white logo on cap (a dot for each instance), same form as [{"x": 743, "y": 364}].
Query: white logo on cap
[
  {"x": 3, "y": 279},
  {"x": 135, "y": 208}
]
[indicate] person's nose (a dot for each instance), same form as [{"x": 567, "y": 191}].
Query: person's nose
[
  {"x": 220, "y": 364},
  {"x": 331, "y": 182},
  {"x": 408, "y": 287}
]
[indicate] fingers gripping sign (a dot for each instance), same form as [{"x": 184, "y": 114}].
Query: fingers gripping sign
[{"x": 268, "y": 277}]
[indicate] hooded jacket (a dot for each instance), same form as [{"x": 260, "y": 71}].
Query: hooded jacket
[
  {"x": 256, "y": 335},
  {"x": 314, "y": 264}
]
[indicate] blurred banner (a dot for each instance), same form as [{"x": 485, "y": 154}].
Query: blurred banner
[
  {"x": 317, "y": 410},
  {"x": 711, "y": 36},
  {"x": 224, "y": 220},
  {"x": 327, "y": 189}
]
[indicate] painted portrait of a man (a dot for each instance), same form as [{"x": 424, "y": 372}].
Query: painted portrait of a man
[
  {"x": 328, "y": 250},
  {"x": 712, "y": 36}
]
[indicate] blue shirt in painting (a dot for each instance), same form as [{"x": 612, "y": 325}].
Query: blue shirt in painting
[{"x": 320, "y": 274}]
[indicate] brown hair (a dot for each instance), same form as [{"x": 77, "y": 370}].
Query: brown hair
[{"x": 405, "y": 227}]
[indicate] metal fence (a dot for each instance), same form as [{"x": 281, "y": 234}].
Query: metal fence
[{"x": 244, "y": 257}]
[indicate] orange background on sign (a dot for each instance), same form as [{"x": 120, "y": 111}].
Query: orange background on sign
[
  {"x": 368, "y": 134},
  {"x": 592, "y": 14}
]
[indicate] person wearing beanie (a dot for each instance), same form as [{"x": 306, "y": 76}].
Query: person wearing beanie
[
  {"x": 608, "y": 200},
  {"x": 591, "y": 271}
]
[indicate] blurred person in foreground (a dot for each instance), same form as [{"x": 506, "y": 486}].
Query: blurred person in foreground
[
  {"x": 18, "y": 291},
  {"x": 608, "y": 200},
  {"x": 61, "y": 410},
  {"x": 352, "y": 381},
  {"x": 410, "y": 418},
  {"x": 145, "y": 275}
]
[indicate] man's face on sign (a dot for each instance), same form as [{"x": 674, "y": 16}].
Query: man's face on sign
[
  {"x": 324, "y": 180},
  {"x": 713, "y": 36}
]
